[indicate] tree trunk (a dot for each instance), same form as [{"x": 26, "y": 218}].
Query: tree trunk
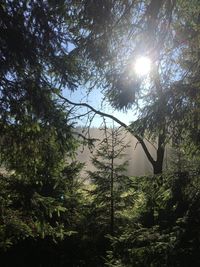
[
  {"x": 157, "y": 168},
  {"x": 112, "y": 194},
  {"x": 111, "y": 207},
  {"x": 158, "y": 164}
]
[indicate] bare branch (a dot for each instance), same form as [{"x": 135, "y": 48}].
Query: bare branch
[
  {"x": 94, "y": 110},
  {"x": 103, "y": 114}
]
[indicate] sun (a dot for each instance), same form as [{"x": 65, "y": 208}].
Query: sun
[{"x": 142, "y": 66}]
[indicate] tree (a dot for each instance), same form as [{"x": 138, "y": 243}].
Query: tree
[
  {"x": 36, "y": 135},
  {"x": 36, "y": 198},
  {"x": 35, "y": 55},
  {"x": 114, "y": 34},
  {"x": 109, "y": 177}
]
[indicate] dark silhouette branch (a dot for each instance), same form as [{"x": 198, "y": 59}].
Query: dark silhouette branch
[
  {"x": 94, "y": 110},
  {"x": 103, "y": 114}
]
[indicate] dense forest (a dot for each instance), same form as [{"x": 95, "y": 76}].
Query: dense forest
[{"x": 50, "y": 215}]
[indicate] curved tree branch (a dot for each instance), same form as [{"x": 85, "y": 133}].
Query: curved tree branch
[{"x": 103, "y": 114}]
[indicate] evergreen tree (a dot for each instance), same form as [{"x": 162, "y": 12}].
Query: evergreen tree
[
  {"x": 110, "y": 178},
  {"x": 35, "y": 132}
]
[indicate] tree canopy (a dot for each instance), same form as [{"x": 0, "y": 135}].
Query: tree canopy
[{"x": 112, "y": 35}]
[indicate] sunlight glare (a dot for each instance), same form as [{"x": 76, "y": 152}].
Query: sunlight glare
[{"x": 142, "y": 66}]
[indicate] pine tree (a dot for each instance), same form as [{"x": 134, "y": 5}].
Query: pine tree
[
  {"x": 110, "y": 178},
  {"x": 35, "y": 132}
]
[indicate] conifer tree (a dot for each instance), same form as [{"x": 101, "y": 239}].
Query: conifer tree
[{"x": 109, "y": 178}]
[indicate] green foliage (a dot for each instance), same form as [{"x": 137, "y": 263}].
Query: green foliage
[
  {"x": 39, "y": 208},
  {"x": 160, "y": 233},
  {"x": 36, "y": 135},
  {"x": 109, "y": 179}
]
